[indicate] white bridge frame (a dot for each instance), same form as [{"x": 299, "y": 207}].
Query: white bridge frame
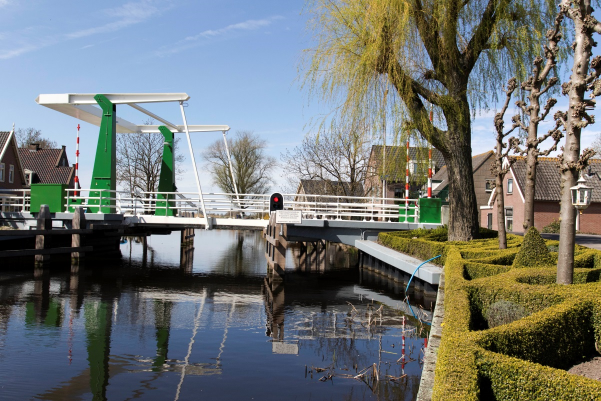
[
  {"x": 238, "y": 209},
  {"x": 84, "y": 107}
]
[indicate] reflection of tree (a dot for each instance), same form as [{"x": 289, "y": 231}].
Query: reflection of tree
[{"x": 241, "y": 256}]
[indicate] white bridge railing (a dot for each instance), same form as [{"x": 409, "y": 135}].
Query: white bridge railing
[{"x": 225, "y": 205}]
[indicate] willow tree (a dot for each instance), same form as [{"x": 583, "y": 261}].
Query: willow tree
[{"x": 449, "y": 54}]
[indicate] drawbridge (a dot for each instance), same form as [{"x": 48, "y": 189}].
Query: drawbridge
[{"x": 169, "y": 209}]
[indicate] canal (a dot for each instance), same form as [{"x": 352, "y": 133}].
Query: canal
[{"x": 207, "y": 326}]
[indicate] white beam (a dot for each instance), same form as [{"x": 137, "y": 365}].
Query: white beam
[
  {"x": 181, "y": 128},
  {"x": 84, "y": 107},
  {"x": 151, "y": 114},
  {"x": 116, "y": 98}
]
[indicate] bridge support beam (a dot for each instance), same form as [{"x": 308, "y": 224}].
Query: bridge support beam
[
  {"x": 167, "y": 177},
  {"x": 104, "y": 175}
]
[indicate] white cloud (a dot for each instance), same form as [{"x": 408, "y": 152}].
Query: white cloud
[
  {"x": 128, "y": 14},
  {"x": 4, "y": 3},
  {"x": 196, "y": 40}
]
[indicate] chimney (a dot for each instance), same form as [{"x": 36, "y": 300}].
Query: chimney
[{"x": 34, "y": 147}]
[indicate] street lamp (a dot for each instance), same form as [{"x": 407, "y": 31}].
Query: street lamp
[
  {"x": 581, "y": 194},
  {"x": 581, "y": 197}
]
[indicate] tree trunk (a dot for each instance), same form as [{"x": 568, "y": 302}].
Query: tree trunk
[
  {"x": 501, "y": 213},
  {"x": 567, "y": 227},
  {"x": 463, "y": 208},
  {"x": 571, "y": 155},
  {"x": 530, "y": 184}
]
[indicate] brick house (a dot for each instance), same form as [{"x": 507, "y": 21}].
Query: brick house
[
  {"x": 483, "y": 180},
  {"x": 11, "y": 171},
  {"x": 546, "y": 197},
  {"x": 46, "y": 166},
  {"x": 12, "y": 176},
  {"x": 394, "y": 174}
]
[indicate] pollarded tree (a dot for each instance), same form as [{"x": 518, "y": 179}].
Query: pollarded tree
[
  {"x": 501, "y": 163},
  {"x": 446, "y": 53},
  {"x": 584, "y": 77},
  {"x": 537, "y": 85}
]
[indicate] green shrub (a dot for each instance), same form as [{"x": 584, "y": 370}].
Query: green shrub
[
  {"x": 475, "y": 270},
  {"x": 559, "y": 327},
  {"x": 552, "y": 228},
  {"x": 504, "y": 312},
  {"x": 533, "y": 252}
]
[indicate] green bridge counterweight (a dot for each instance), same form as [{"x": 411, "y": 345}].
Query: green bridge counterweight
[
  {"x": 167, "y": 177},
  {"x": 104, "y": 175}
]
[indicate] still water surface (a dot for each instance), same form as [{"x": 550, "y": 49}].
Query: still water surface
[{"x": 208, "y": 327}]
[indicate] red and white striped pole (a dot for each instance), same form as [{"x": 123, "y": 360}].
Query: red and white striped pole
[
  {"x": 77, "y": 164},
  {"x": 407, "y": 185},
  {"x": 430, "y": 163},
  {"x": 403, "y": 360}
]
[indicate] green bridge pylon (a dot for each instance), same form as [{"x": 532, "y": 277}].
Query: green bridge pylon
[
  {"x": 104, "y": 175},
  {"x": 167, "y": 177}
]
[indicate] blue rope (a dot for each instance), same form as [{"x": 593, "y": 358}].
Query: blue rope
[
  {"x": 423, "y": 263},
  {"x": 416, "y": 318},
  {"x": 409, "y": 283}
]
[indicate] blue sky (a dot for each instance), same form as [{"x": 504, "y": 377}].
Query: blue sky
[{"x": 238, "y": 61}]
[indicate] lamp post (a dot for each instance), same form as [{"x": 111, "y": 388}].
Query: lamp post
[{"x": 581, "y": 197}]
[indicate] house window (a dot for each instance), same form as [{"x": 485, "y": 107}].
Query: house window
[
  {"x": 11, "y": 173},
  {"x": 509, "y": 218},
  {"x": 489, "y": 222},
  {"x": 1, "y": 172},
  {"x": 490, "y": 185},
  {"x": 399, "y": 193},
  {"x": 510, "y": 185}
]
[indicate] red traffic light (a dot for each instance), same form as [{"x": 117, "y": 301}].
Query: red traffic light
[{"x": 276, "y": 202}]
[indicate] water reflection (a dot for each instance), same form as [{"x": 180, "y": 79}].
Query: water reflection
[{"x": 203, "y": 321}]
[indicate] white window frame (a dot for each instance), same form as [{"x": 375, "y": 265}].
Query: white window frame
[
  {"x": 2, "y": 169},
  {"x": 508, "y": 218},
  {"x": 489, "y": 184},
  {"x": 510, "y": 185},
  {"x": 11, "y": 173}
]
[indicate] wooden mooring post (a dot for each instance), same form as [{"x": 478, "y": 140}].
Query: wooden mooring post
[
  {"x": 78, "y": 222},
  {"x": 43, "y": 241}
]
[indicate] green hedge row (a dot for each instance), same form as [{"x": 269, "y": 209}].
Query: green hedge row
[{"x": 523, "y": 359}]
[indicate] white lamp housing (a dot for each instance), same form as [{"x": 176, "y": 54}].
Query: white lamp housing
[{"x": 581, "y": 194}]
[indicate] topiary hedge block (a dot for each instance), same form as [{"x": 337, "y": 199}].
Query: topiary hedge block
[
  {"x": 533, "y": 252},
  {"x": 505, "y": 363}
]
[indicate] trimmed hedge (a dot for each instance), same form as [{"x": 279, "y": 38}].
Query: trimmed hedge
[
  {"x": 533, "y": 252},
  {"x": 521, "y": 360}
]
